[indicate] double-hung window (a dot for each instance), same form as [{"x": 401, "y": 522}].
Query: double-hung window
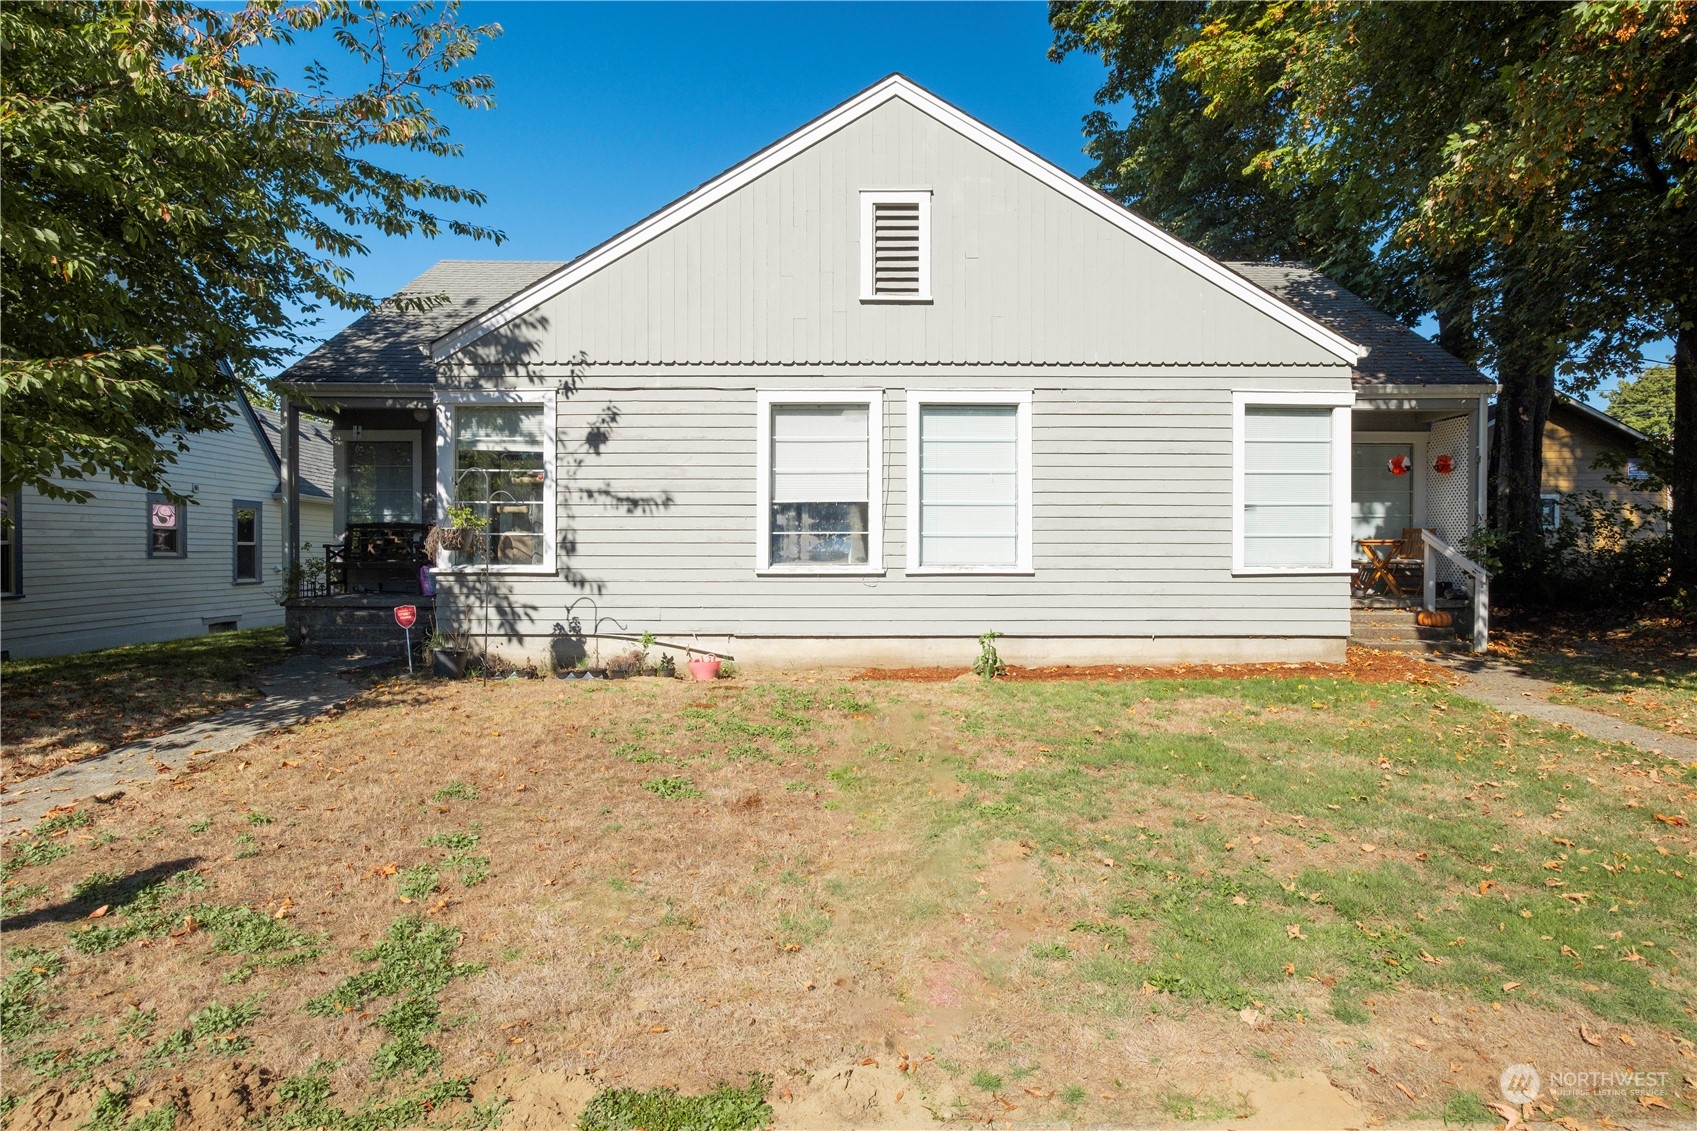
[
  {"x": 969, "y": 482},
  {"x": 11, "y": 546},
  {"x": 495, "y": 456},
  {"x": 245, "y": 553},
  {"x": 1290, "y": 482},
  {"x": 820, "y": 490},
  {"x": 167, "y": 528}
]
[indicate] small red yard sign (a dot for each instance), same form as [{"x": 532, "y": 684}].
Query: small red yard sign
[{"x": 406, "y": 615}]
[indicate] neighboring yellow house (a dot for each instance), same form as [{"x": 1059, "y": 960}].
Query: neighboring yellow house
[{"x": 1575, "y": 435}]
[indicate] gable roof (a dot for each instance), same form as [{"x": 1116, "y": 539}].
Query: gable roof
[
  {"x": 1598, "y": 417},
  {"x": 539, "y": 290},
  {"x": 1395, "y": 355},
  {"x": 387, "y": 346}
]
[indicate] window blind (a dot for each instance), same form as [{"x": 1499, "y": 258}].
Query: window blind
[
  {"x": 968, "y": 485},
  {"x": 819, "y": 453},
  {"x": 1287, "y": 487},
  {"x": 498, "y": 428}
]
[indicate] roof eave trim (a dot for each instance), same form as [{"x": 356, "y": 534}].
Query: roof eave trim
[
  {"x": 1474, "y": 390},
  {"x": 359, "y": 388},
  {"x": 1598, "y": 416},
  {"x": 894, "y": 87}
]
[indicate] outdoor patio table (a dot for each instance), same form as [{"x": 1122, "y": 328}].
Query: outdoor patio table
[{"x": 1377, "y": 567}]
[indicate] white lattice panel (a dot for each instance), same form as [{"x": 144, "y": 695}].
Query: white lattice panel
[{"x": 1449, "y": 510}]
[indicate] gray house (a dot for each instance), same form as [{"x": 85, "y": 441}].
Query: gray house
[{"x": 889, "y": 383}]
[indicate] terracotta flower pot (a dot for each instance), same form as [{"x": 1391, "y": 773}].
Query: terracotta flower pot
[{"x": 705, "y": 668}]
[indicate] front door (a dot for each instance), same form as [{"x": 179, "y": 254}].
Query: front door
[{"x": 1382, "y": 503}]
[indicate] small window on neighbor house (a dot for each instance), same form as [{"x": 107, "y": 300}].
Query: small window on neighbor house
[
  {"x": 245, "y": 543},
  {"x": 895, "y": 241},
  {"x": 1549, "y": 511},
  {"x": 167, "y": 528},
  {"x": 1635, "y": 469},
  {"x": 11, "y": 547}
]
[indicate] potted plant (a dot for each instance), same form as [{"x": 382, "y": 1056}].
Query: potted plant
[
  {"x": 462, "y": 533},
  {"x": 448, "y": 659},
  {"x": 704, "y": 668}
]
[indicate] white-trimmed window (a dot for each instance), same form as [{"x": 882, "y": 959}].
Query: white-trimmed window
[
  {"x": 246, "y": 553},
  {"x": 495, "y": 454},
  {"x": 969, "y": 482},
  {"x": 821, "y": 483},
  {"x": 895, "y": 246},
  {"x": 1290, "y": 482},
  {"x": 1549, "y": 513}
]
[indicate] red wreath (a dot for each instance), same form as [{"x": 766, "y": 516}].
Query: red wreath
[
  {"x": 1400, "y": 464},
  {"x": 1443, "y": 465}
]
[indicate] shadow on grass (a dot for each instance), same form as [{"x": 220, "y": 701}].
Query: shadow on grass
[{"x": 115, "y": 892}]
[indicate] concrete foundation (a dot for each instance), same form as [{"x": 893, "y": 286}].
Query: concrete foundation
[{"x": 915, "y": 651}]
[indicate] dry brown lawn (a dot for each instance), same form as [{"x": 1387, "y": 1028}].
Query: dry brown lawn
[{"x": 830, "y": 901}]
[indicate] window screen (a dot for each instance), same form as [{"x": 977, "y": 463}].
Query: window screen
[
  {"x": 820, "y": 510},
  {"x": 968, "y": 485},
  {"x": 1287, "y": 487}
]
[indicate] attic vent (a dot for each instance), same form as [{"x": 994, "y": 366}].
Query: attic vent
[{"x": 895, "y": 246}]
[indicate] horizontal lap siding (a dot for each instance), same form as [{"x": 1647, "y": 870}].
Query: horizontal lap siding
[
  {"x": 88, "y": 582},
  {"x": 1131, "y": 531}
]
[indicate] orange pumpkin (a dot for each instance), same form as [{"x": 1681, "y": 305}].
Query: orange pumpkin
[{"x": 1434, "y": 618}]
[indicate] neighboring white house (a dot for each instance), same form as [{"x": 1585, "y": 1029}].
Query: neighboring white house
[
  {"x": 128, "y": 566},
  {"x": 889, "y": 383}
]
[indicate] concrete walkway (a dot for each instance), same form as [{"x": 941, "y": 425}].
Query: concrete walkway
[
  {"x": 1509, "y": 688},
  {"x": 298, "y": 689}
]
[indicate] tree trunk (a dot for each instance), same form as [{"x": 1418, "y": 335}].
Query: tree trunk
[
  {"x": 1524, "y": 393},
  {"x": 1683, "y": 481}
]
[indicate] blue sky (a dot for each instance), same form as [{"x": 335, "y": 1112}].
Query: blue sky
[{"x": 606, "y": 112}]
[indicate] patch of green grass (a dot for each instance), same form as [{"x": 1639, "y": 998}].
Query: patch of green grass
[
  {"x": 456, "y": 791},
  {"x": 671, "y": 788},
  {"x": 413, "y": 967},
  {"x": 138, "y": 912},
  {"x": 798, "y": 786},
  {"x": 112, "y": 1112},
  {"x": 416, "y": 883},
  {"x": 214, "y": 1030},
  {"x": 246, "y": 847},
  {"x": 304, "y": 1103},
  {"x": 1188, "y": 1108},
  {"x": 986, "y": 1081},
  {"x": 802, "y": 927},
  {"x": 138, "y": 1023},
  {"x": 200, "y": 826},
  {"x": 32, "y": 852},
  {"x": 1051, "y": 951},
  {"x": 848, "y": 779},
  {"x": 22, "y": 1011},
  {"x": 471, "y": 868},
  {"x": 1465, "y": 1109},
  {"x": 255, "y": 817},
  {"x": 1073, "y": 1095},
  {"x": 94, "y": 885},
  {"x": 725, "y": 1108}
]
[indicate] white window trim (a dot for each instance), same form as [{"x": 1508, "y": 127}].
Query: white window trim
[
  {"x": 446, "y": 402},
  {"x": 1340, "y": 403},
  {"x": 873, "y": 399},
  {"x": 1555, "y": 516},
  {"x": 868, "y": 198},
  {"x": 340, "y": 439},
  {"x": 916, "y": 399}
]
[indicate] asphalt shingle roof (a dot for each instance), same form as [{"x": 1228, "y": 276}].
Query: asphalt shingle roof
[
  {"x": 1396, "y": 355},
  {"x": 389, "y": 346},
  {"x": 318, "y": 452}
]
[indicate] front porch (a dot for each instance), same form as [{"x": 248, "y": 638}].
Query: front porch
[{"x": 356, "y": 624}]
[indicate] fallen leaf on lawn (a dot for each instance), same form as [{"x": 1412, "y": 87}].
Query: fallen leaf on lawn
[
  {"x": 1403, "y": 1088},
  {"x": 1675, "y": 819},
  {"x": 1290, "y": 969},
  {"x": 1508, "y": 986},
  {"x": 1294, "y": 930},
  {"x": 868, "y": 1062},
  {"x": 1037, "y": 1093},
  {"x": 1626, "y": 1039},
  {"x": 290, "y": 763},
  {"x": 100, "y": 912},
  {"x": 1006, "y": 1104},
  {"x": 1431, "y": 959},
  {"x": 1589, "y": 1037},
  {"x": 1369, "y": 848},
  {"x": 1509, "y": 1113},
  {"x": 900, "y": 1094},
  {"x": 1654, "y": 1101},
  {"x": 1486, "y": 885},
  {"x": 656, "y": 1028},
  {"x": 385, "y": 869}
]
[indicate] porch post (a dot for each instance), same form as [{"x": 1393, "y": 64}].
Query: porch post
[
  {"x": 1481, "y": 458},
  {"x": 292, "y": 483}
]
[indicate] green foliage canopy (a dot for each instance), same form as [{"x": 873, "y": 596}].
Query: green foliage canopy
[
  {"x": 171, "y": 204},
  {"x": 1645, "y": 402}
]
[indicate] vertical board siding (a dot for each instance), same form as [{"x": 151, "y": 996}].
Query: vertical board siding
[
  {"x": 1131, "y": 531},
  {"x": 771, "y": 275},
  {"x": 87, "y": 579}
]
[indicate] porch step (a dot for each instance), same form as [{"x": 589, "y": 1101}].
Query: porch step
[
  {"x": 1394, "y": 630},
  {"x": 346, "y": 628}
]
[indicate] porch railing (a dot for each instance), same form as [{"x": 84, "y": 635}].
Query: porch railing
[{"x": 1434, "y": 546}]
